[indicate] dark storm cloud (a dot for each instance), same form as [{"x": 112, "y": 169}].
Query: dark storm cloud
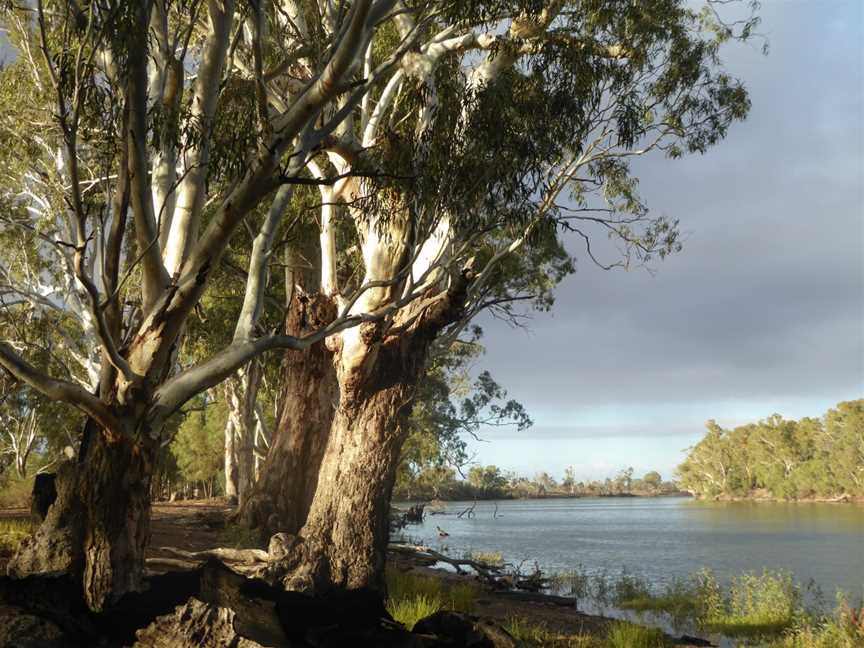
[{"x": 766, "y": 302}]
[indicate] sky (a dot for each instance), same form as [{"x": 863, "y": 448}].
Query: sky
[{"x": 763, "y": 310}]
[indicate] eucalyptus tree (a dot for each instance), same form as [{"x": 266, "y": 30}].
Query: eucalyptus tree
[
  {"x": 781, "y": 458},
  {"x": 505, "y": 132},
  {"x": 34, "y": 431},
  {"x": 154, "y": 131}
]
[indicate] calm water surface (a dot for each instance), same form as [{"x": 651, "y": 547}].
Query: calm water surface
[{"x": 663, "y": 538}]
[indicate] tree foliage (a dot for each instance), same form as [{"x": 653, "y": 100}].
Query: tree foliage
[
  {"x": 449, "y": 406},
  {"x": 784, "y": 459},
  {"x": 198, "y": 445}
]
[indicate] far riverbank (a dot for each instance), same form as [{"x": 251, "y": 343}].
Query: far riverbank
[{"x": 401, "y": 498}]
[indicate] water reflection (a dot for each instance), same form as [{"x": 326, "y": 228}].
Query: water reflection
[{"x": 662, "y": 539}]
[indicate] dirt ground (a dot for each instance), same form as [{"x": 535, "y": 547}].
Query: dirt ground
[{"x": 190, "y": 525}]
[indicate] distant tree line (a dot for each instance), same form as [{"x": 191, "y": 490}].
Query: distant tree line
[
  {"x": 820, "y": 458},
  {"x": 490, "y": 482}
]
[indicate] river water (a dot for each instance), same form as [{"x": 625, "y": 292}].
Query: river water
[{"x": 662, "y": 538}]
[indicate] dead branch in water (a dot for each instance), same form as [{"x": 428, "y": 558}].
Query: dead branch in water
[{"x": 469, "y": 511}]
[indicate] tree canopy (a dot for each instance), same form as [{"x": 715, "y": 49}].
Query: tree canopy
[{"x": 784, "y": 459}]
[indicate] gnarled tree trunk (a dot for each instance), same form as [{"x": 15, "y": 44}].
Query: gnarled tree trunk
[
  {"x": 344, "y": 540},
  {"x": 281, "y": 497},
  {"x": 97, "y": 528},
  {"x": 345, "y": 536}
]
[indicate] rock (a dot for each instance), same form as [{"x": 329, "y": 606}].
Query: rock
[
  {"x": 21, "y": 630},
  {"x": 465, "y": 630},
  {"x": 194, "y": 624}
]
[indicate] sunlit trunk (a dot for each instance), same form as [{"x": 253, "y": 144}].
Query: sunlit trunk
[
  {"x": 283, "y": 493},
  {"x": 232, "y": 477},
  {"x": 241, "y": 393},
  {"x": 346, "y": 532},
  {"x": 344, "y": 540}
]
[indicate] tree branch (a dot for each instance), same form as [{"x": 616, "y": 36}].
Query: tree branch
[{"x": 60, "y": 390}]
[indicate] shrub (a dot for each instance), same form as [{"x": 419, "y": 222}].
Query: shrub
[
  {"x": 489, "y": 558},
  {"x": 843, "y": 629},
  {"x": 757, "y": 605}
]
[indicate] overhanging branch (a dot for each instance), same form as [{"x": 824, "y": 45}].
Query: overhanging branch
[{"x": 60, "y": 390}]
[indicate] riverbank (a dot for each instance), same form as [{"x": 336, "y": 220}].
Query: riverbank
[
  {"x": 567, "y": 620},
  {"x": 535, "y": 619},
  {"x": 764, "y": 496},
  {"x": 768, "y": 610}
]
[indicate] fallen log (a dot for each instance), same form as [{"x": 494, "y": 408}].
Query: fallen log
[
  {"x": 246, "y": 556},
  {"x": 490, "y": 573},
  {"x": 495, "y": 576}
]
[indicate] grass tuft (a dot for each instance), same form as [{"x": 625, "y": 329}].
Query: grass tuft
[
  {"x": 627, "y": 635},
  {"x": 13, "y": 531},
  {"x": 537, "y": 634},
  {"x": 411, "y": 597},
  {"x": 409, "y": 611},
  {"x": 488, "y": 558}
]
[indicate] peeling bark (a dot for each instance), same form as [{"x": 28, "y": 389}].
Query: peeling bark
[
  {"x": 343, "y": 542},
  {"x": 283, "y": 493}
]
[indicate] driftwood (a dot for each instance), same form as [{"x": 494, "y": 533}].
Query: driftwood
[
  {"x": 246, "y": 562},
  {"x": 399, "y": 519},
  {"x": 490, "y": 573},
  {"x": 159, "y": 562},
  {"x": 415, "y": 514},
  {"x": 498, "y": 577},
  {"x": 245, "y": 556},
  {"x": 495, "y": 576}
]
